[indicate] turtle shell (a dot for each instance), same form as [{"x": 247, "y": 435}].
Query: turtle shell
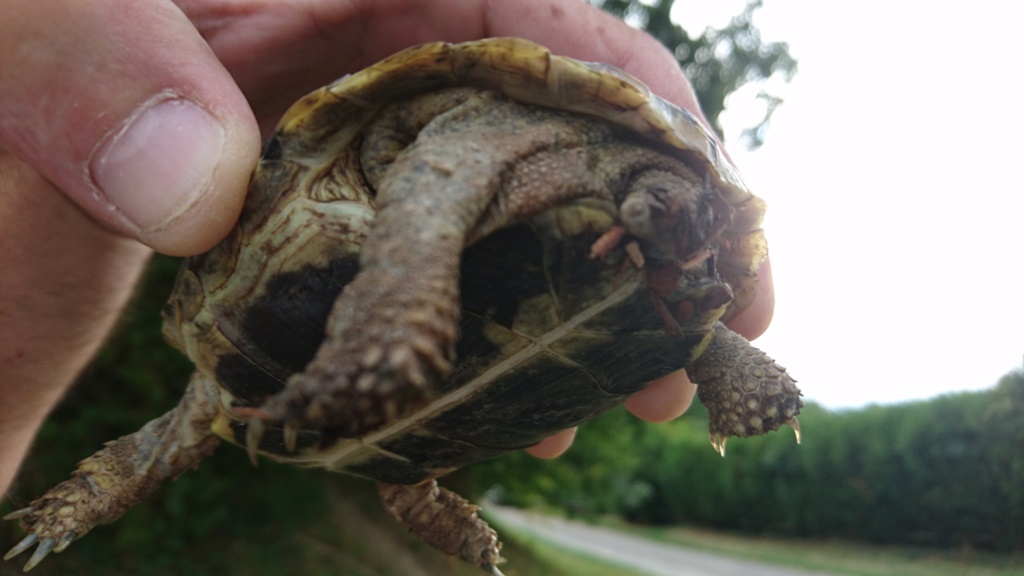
[{"x": 550, "y": 336}]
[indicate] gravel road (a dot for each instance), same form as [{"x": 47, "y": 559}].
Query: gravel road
[{"x": 656, "y": 558}]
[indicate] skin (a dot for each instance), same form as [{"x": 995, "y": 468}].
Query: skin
[{"x": 84, "y": 200}]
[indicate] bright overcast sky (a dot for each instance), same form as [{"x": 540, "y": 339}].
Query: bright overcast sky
[{"x": 896, "y": 216}]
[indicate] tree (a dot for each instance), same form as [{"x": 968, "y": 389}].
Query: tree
[{"x": 718, "y": 61}]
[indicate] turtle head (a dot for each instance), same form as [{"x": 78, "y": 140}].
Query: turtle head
[{"x": 676, "y": 214}]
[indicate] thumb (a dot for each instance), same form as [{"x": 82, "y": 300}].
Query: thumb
[{"x": 124, "y": 107}]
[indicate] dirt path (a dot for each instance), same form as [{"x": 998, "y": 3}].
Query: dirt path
[{"x": 656, "y": 558}]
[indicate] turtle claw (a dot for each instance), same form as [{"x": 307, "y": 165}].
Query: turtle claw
[
  {"x": 796, "y": 427},
  {"x": 65, "y": 541},
  {"x": 718, "y": 443},
  {"x": 19, "y": 513},
  {"x": 253, "y": 435},
  {"x": 608, "y": 240},
  {"x": 291, "y": 436},
  {"x": 26, "y": 543},
  {"x": 46, "y": 545}
]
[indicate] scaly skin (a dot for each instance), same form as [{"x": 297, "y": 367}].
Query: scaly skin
[
  {"x": 444, "y": 520},
  {"x": 111, "y": 481},
  {"x": 745, "y": 391}
]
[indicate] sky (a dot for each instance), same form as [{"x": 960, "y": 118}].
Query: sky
[{"x": 896, "y": 206}]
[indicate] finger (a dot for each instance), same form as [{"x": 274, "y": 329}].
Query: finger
[
  {"x": 663, "y": 399},
  {"x": 125, "y": 108},
  {"x": 754, "y": 320},
  {"x": 276, "y": 52},
  {"x": 63, "y": 283},
  {"x": 553, "y": 446}
]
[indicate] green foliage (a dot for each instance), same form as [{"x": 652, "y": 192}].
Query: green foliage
[
  {"x": 184, "y": 527},
  {"x": 595, "y": 477},
  {"x": 719, "y": 61},
  {"x": 947, "y": 472}
]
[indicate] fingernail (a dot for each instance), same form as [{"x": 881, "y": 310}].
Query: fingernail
[{"x": 155, "y": 167}]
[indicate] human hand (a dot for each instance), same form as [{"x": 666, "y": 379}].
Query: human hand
[{"x": 138, "y": 122}]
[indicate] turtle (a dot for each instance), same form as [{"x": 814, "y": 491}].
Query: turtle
[{"x": 452, "y": 254}]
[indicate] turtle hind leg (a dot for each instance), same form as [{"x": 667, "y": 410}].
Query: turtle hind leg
[
  {"x": 444, "y": 520},
  {"x": 745, "y": 391},
  {"x": 107, "y": 484}
]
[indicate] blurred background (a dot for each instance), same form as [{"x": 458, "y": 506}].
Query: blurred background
[{"x": 883, "y": 137}]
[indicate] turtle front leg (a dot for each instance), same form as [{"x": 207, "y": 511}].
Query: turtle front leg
[
  {"x": 444, "y": 520},
  {"x": 107, "y": 484}
]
